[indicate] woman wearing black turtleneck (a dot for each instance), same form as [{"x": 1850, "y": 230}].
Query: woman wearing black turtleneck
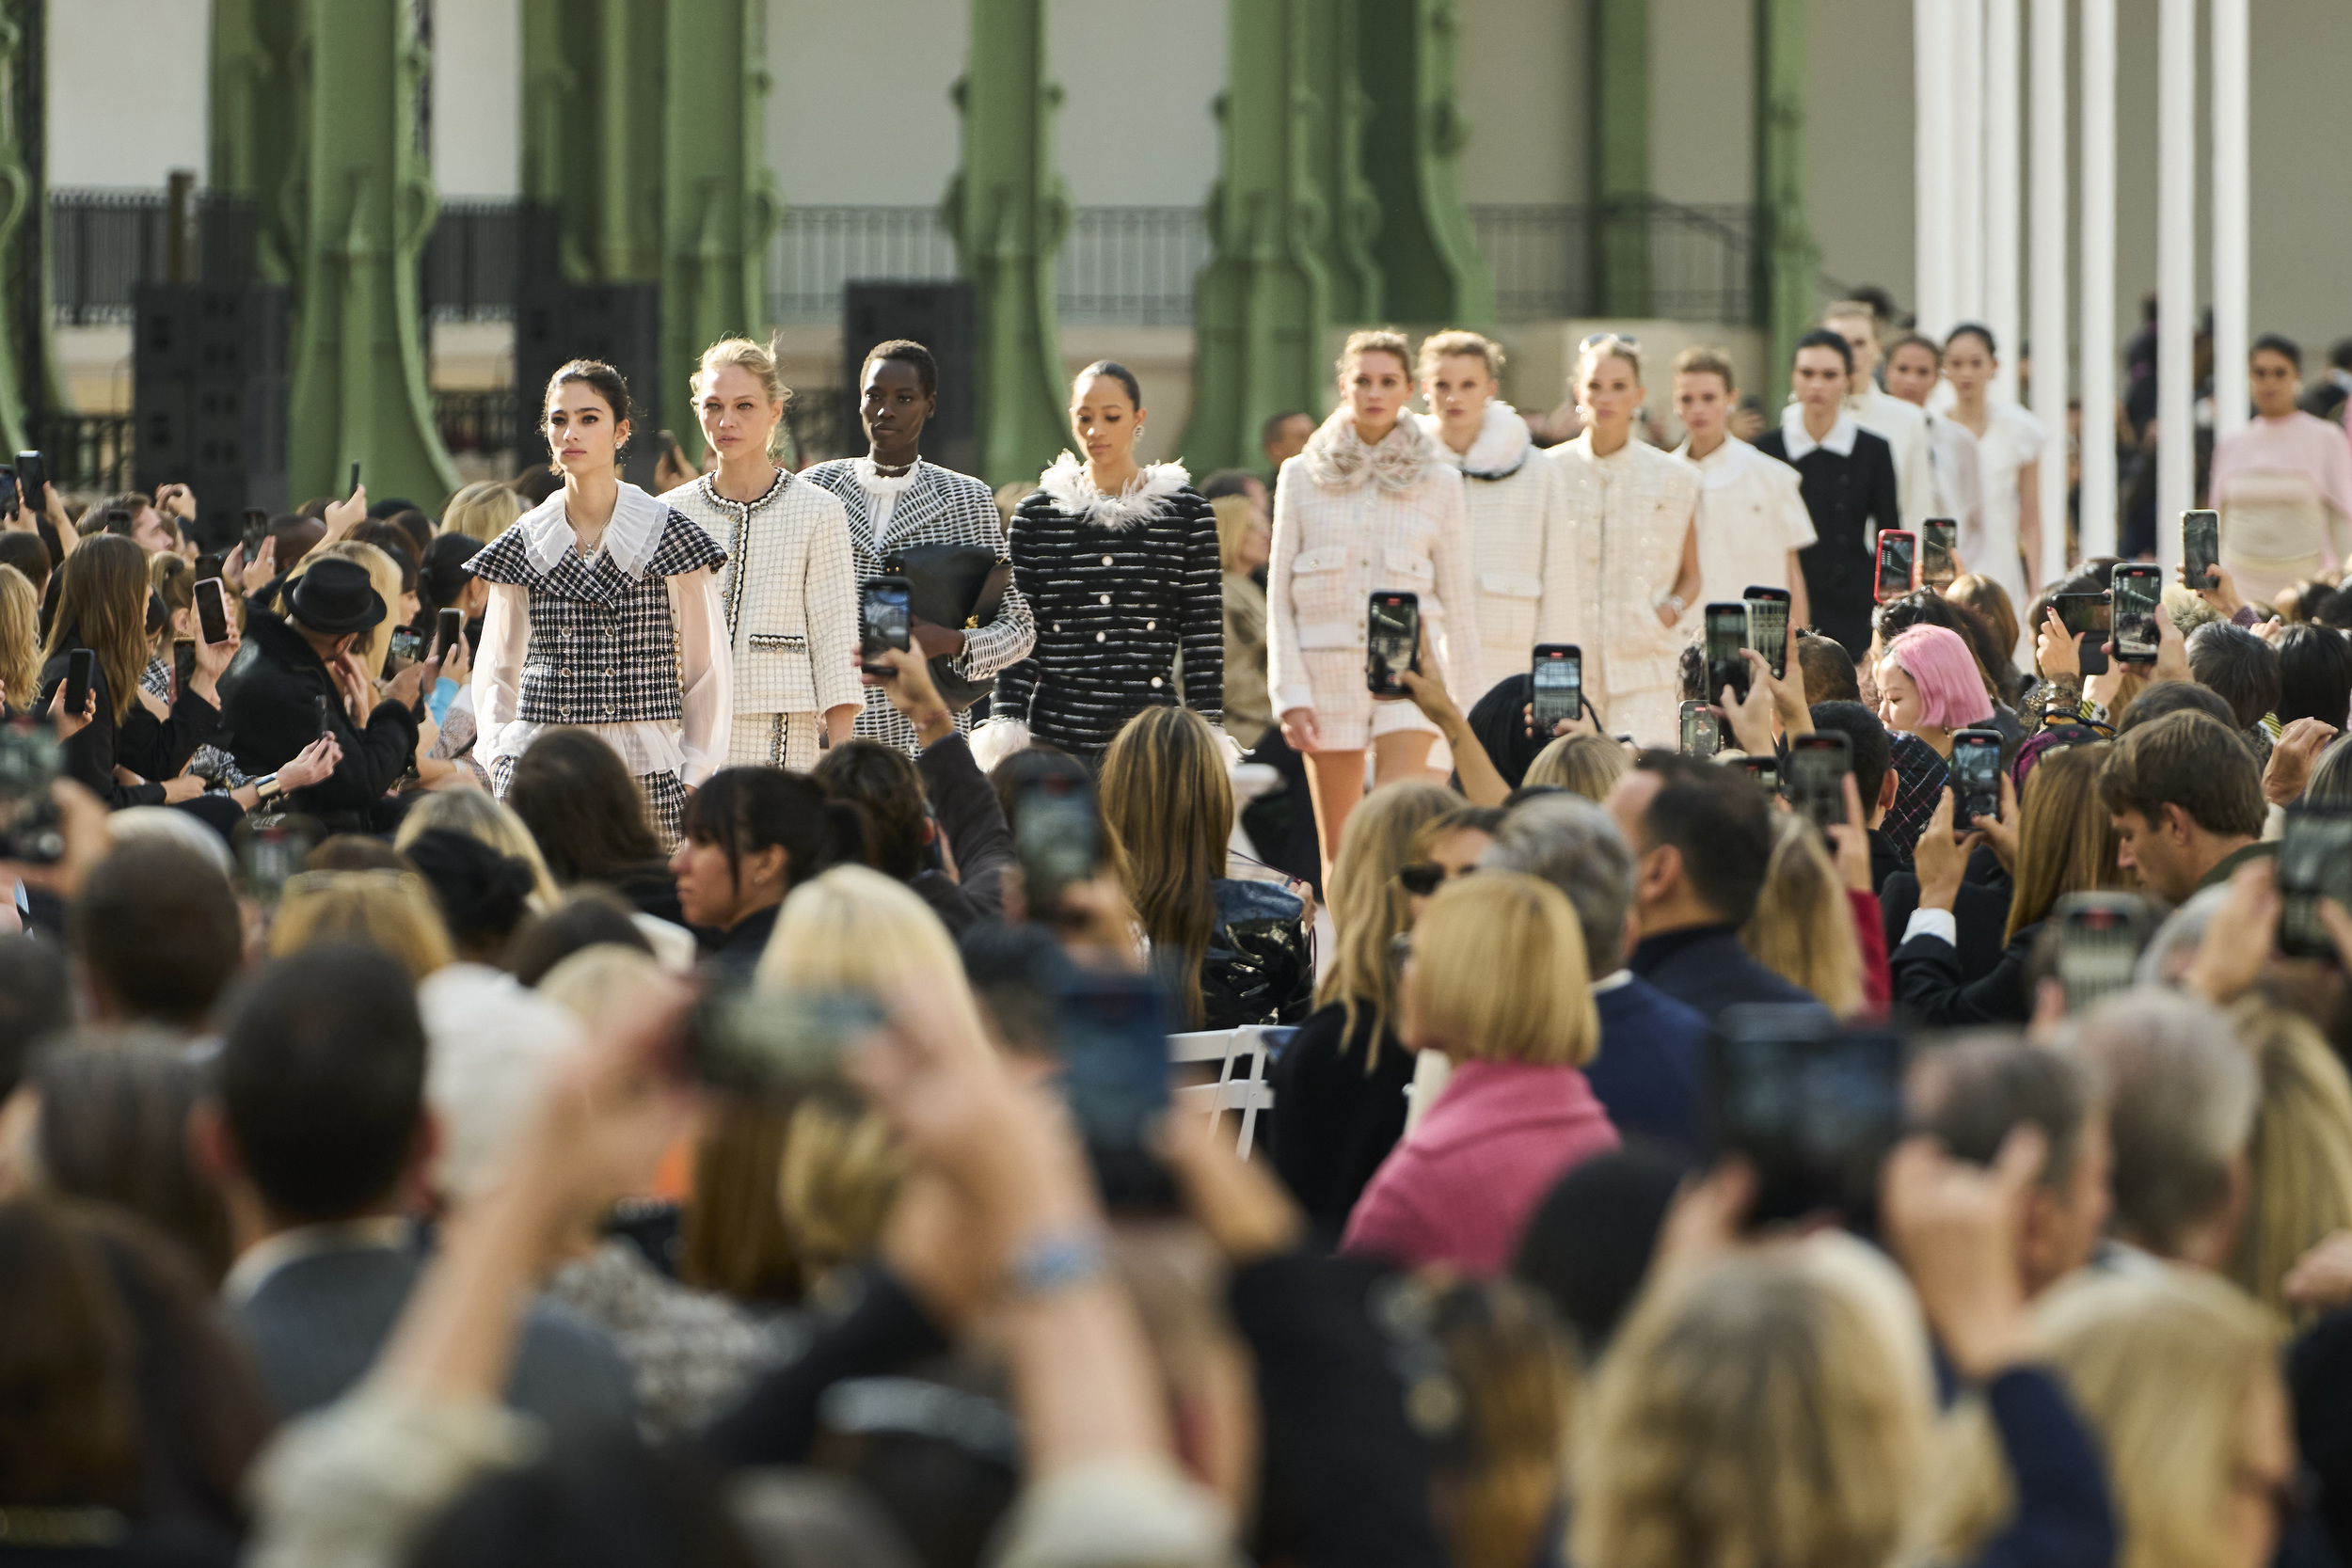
[{"x": 751, "y": 834}]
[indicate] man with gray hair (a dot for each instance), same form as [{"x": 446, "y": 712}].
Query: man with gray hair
[
  {"x": 1973, "y": 1090},
  {"x": 1647, "y": 1072},
  {"x": 2182, "y": 1095}
]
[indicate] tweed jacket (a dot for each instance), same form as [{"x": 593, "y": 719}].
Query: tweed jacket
[
  {"x": 938, "y": 506},
  {"x": 1349, "y": 522},
  {"x": 1121, "y": 586},
  {"x": 790, "y": 590},
  {"x": 1513, "y": 510}
]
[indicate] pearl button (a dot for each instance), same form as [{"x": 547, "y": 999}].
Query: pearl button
[
  {"x": 1106, "y": 598},
  {"x": 1106, "y": 561},
  {"x": 1099, "y": 635},
  {"x": 1150, "y": 625},
  {"x": 1156, "y": 681}
]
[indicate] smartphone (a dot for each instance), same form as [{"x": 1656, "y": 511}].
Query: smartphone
[
  {"x": 1556, "y": 684},
  {"x": 2201, "y": 546},
  {"x": 212, "y": 609},
  {"x": 1701, "y": 735},
  {"x": 1937, "y": 536},
  {"x": 1768, "y": 626},
  {"x": 31, "y": 830},
  {"x": 448, "y": 627},
  {"x": 768, "y": 1043},
  {"x": 2315, "y": 862},
  {"x": 1814, "y": 1108},
  {"x": 353, "y": 488},
  {"x": 1899, "y": 563},
  {"x": 887, "y": 610},
  {"x": 254, "y": 533},
  {"x": 119, "y": 522},
  {"x": 2136, "y": 598},
  {"x": 2088, "y": 614},
  {"x": 1392, "y": 642},
  {"x": 1818, "y": 767},
  {"x": 407, "y": 646},
  {"x": 10, "y": 493},
  {"x": 1975, "y": 776},
  {"x": 1764, "y": 770},
  {"x": 269, "y": 856},
  {"x": 2099, "y": 939},
  {"x": 1057, "y": 837},
  {"x": 1726, "y": 636},
  {"x": 81, "y": 668},
  {"x": 327, "y": 726},
  {"x": 1112, "y": 1039},
  {"x": 32, "y": 476}
]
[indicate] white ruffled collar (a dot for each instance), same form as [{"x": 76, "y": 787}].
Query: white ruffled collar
[
  {"x": 1336, "y": 457},
  {"x": 1071, "y": 489},
  {"x": 1499, "y": 449},
  {"x": 631, "y": 538},
  {"x": 875, "y": 482}
]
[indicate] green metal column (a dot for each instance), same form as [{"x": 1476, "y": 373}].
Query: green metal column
[
  {"x": 594, "y": 115},
  {"x": 27, "y": 384},
  {"x": 1430, "y": 266},
  {"x": 719, "y": 200},
  {"x": 1008, "y": 211},
  {"x": 256, "y": 138},
  {"x": 363, "y": 203},
  {"x": 1620, "y": 96},
  {"x": 1789, "y": 260},
  {"x": 1336, "y": 133}
]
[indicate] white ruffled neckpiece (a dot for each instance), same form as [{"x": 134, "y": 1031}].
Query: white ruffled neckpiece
[
  {"x": 875, "y": 482},
  {"x": 1337, "y": 458},
  {"x": 1073, "y": 490},
  {"x": 1499, "y": 449},
  {"x": 631, "y": 538}
]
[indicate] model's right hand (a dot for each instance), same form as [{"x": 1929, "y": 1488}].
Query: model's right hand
[{"x": 1298, "y": 731}]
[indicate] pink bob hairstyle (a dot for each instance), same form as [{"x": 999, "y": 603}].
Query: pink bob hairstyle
[{"x": 1951, "y": 688}]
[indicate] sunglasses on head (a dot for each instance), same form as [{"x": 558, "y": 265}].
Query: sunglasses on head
[{"x": 1423, "y": 878}]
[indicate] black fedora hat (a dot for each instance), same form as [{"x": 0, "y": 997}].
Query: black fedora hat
[{"x": 334, "y": 595}]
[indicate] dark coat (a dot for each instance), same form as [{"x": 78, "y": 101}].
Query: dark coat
[
  {"x": 1333, "y": 1121},
  {"x": 1847, "y": 497},
  {"x": 270, "y": 702},
  {"x": 1705, "y": 968},
  {"x": 153, "y": 749}
]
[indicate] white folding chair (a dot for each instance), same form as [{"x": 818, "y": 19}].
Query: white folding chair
[{"x": 1248, "y": 1095}]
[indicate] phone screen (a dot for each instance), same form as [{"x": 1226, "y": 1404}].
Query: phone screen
[
  {"x": 212, "y": 610},
  {"x": 889, "y": 614},
  {"x": 32, "y": 476},
  {"x": 8, "y": 492},
  {"x": 769, "y": 1043},
  {"x": 2138, "y": 597},
  {"x": 1975, "y": 776},
  {"x": 1557, "y": 686},
  {"x": 407, "y": 646},
  {"x": 255, "y": 533},
  {"x": 1702, "y": 736},
  {"x": 1112, "y": 1040},
  {"x": 2200, "y": 546},
  {"x": 1938, "y": 536},
  {"x": 1726, "y": 635},
  {"x": 2089, "y": 614},
  {"x": 269, "y": 855},
  {"x": 1897, "y": 560},
  {"x": 81, "y": 668},
  {"x": 1817, "y": 765},
  {"x": 1057, "y": 836},
  {"x": 29, "y": 827},
  {"x": 1394, "y": 642},
  {"x": 1814, "y": 1108},
  {"x": 1768, "y": 627},
  {"x": 2315, "y": 862},
  {"x": 2100, "y": 936}
]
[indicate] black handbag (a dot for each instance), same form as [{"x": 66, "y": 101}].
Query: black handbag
[{"x": 960, "y": 586}]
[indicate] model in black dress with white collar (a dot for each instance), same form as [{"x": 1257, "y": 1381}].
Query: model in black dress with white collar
[
  {"x": 1118, "y": 562},
  {"x": 1847, "y": 477}
]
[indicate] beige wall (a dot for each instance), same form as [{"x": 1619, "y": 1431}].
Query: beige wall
[
  {"x": 1137, "y": 78},
  {"x": 860, "y": 112},
  {"x": 1522, "y": 89},
  {"x": 1702, "y": 96},
  {"x": 127, "y": 91},
  {"x": 1858, "y": 117}
]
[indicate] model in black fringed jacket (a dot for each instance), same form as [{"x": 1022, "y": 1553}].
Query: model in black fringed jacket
[{"x": 1118, "y": 562}]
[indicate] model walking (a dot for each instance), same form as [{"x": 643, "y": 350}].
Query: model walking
[
  {"x": 1913, "y": 366},
  {"x": 1506, "y": 489},
  {"x": 1847, "y": 477},
  {"x": 1753, "y": 524},
  {"x": 1118, "y": 564},
  {"x": 2007, "y": 545},
  {"x": 893, "y": 500},
  {"x": 2283, "y": 481},
  {"x": 604, "y": 613},
  {"x": 789, "y": 588},
  {"x": 1369, "y": 506},
  {"x": 1630, "y": 575}
]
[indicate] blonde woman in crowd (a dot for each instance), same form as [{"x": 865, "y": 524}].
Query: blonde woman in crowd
[
  {"x": 2300, "y": 1158},
  {"x": 1370, "y": 506},
  {"x": 1244, "y": 544},
  {"x": 1804, "y": 926},
  {"x": 1587, "y": 765},
  {"x": 390, "y": 909},
  {"x": 484, "y": 510},
  {"x": 788, "y": 584},
  {"x": 20, "y": 641},
  {"x": 488, "y": 820},
  {"x": 1631, "y": 578},
  {"x": 1507, "y": 490}
]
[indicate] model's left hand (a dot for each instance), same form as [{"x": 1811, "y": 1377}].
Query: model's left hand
[{"x": 937, "y": 641}]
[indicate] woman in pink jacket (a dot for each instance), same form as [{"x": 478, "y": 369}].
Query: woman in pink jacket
[{"x": 1515, "y": 1111}]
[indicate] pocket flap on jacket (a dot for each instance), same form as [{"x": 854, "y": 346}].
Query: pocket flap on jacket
[
  {"x": 1510, "y": 585},
  {"x": 1331, "y": 557},
  {"x": 1407, "y": 564}
]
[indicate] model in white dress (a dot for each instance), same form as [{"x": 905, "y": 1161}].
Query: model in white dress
[
  {"x": 1368, "y": 507},
  {"x": 2282, "y": 484},
  {"x": 1751, "y": 515},
  {"x": 2006, "y": 548},
  {"x": 1506, "y": 486},
  {"x": 1627, "y": 585},
  {"x": 1914, "y": 367},
  {"x": 1900, "y": 424}
]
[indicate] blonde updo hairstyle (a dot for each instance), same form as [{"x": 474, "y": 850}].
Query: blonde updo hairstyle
[
  {"x": 1375, "y": 341},
  {"x": 1607, "y": 345},
  {"x": 1458, "y": 345},
  {"x": 758, "y": 360}
]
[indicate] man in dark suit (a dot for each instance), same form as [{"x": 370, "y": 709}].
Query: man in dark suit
[
  {"x": 1702, "y": 841},
  {"x": 1647, "y": 1072},
  {"x": 316, "y": 1131}
]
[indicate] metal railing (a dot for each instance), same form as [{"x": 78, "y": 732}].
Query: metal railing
[
  {"x": 469, "y": 261},
  {"x": 475, "y": 420},
  {"x": 86, "y": 452}
]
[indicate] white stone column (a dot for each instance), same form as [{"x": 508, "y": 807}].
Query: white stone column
[
  {"x": 2003, "y": 206},
  {"x": 2098, "y": 278},
  {"x": 2176, "y": 270},
  {"x": 1967, "y": 24},
  {"x": 2049, "y": 387},
  {"x": 2231, "y": 239},
  {"x": 1932, "y": 164}
]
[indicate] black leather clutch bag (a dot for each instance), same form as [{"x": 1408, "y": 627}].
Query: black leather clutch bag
[{"x": 961, "y": 586}]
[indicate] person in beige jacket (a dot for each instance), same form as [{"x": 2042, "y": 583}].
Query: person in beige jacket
[{"x": 1368, "y": 507}]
